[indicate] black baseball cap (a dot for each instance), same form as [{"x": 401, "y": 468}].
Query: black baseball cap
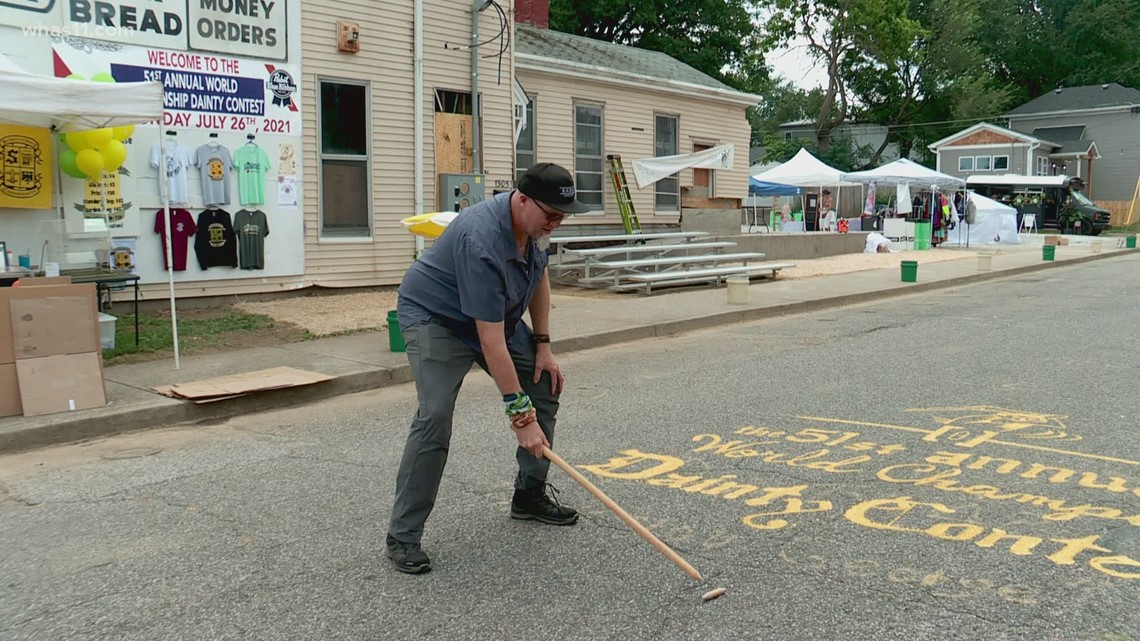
[{"x": 551, "y": 185}]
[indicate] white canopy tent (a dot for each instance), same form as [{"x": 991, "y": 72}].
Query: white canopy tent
[
  {"x": 993, "y": 223},
  {"x": 64, "y": 105},
  {"x": 905, "y": 171},
  {"x": 805, "y": 170}
]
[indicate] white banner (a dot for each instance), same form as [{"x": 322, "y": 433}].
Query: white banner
[
  {"x": 201, "y": 91},
  {"x": 649, "y": 170},
  {"x": 30, "y": 13},
  {"x": 146, "y": 23}
]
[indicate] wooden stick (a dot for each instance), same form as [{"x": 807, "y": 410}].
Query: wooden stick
[{"x": 623, "y": 515}]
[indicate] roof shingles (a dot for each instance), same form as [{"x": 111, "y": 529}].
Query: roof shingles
[
  {"x": 1080, "y": 98},
  {"x": 643, "y": 62}
]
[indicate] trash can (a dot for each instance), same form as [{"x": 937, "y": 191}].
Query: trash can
[
  {"x": 737, "y": 290},
  {"x": 922, "y": 235},
  {"x": 910, "y": 271},
  {"x": 395, "y": 336},
  {"x": 1130, "y": 242},
  {"x": 1047, "y": 252},
  {"x": 107, "y": 331}
]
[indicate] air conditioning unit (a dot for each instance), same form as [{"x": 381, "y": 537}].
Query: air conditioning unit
[{"x": 459, "y": 191}]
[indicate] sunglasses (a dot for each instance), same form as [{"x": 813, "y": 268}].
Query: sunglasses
[{"x": 551, "y": 215}]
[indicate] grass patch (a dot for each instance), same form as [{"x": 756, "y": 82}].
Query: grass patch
[{"x": 199, "y": 331}]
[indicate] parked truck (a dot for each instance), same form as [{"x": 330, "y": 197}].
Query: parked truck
[{"x": 1057, "y": 202}]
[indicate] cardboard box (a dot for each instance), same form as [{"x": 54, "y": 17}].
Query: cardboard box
[
  {"x": 1052, "y": 240},
  {"x": 10, "y": 391},
  {"x": 52, "y": 326},
  {"x": 8, "y": 294},
  {"x": 64, "y": 383},
  {"x": 1063, "y": 242}
]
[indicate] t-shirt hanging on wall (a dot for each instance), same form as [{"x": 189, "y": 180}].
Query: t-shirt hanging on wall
[
  {"x": 183, "y": 224},
  {"x": 252, "y": 164},
  {"x": 213, "y": 162},
  {"x": 177, "y": 167},
  {"x": 215, "y": 243},
  {"x": 252, "y": 228}
]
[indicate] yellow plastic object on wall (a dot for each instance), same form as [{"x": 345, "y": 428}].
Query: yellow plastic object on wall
[{"x": 429, "y": 225}]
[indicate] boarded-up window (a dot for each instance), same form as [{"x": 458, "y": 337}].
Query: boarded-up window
[
  {"x": 588, "y": 169},
  {"x": 665, "y": 144},
  {"x": 345, "y": 184}
]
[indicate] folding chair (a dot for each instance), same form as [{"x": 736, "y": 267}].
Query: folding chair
[{"x": 1029, "y": 221}]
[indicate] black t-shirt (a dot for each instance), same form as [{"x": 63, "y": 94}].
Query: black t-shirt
[{"x": 215, "y": 244}]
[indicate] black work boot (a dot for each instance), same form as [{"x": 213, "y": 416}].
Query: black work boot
[
  {"x": 535, "y": 503},
  {"x": 408, "y": 557}
]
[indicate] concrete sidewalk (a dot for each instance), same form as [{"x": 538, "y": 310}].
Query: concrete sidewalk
[{"x": 363, "y": 361}]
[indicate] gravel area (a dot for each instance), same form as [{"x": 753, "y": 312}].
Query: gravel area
[{"x": 330, "y": 314}]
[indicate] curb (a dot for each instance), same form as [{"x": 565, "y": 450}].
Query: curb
[{"x": 165, "y": 414}]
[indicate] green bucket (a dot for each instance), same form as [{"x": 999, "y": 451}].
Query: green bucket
[
  {"x": 1048, "y": 251},
  {"x": 909, "y": 271},
  {"x": 395, "y": 336},
  {"x": 1130, "y": 242},
  {"x": 922, "y": 235}
]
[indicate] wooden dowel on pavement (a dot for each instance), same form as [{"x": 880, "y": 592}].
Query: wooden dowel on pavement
[{"x": 623, "y": 515}]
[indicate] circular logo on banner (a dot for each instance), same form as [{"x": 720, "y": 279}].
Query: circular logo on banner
[{"x": 282, "y": 87}]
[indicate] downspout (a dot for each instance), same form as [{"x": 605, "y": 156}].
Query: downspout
[
  {"x": 1030, "y": 170},
  {"x": 418, "y": 83},
  {"x": 477, "y": 7}
]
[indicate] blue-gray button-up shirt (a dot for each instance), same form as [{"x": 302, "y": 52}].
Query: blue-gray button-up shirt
[{"x": 474, "y": 271}]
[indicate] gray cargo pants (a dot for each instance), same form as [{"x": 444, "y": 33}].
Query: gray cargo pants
[{"x": 439, "y": 361}]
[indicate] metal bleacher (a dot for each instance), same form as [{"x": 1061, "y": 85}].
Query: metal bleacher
[{"x": 642, "y": 261}]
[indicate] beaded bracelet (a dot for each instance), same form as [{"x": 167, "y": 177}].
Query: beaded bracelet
[{"x": 519, "y": 421}]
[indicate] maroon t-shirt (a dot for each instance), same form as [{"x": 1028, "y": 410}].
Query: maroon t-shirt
[{"x": 184, "y": 228}]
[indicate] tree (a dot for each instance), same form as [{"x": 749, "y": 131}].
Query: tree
[
  {"x": 715, "y": 37},
  {"x": 941, "y": 77},
  {"x": 848, "y": 37},
  {"x": 1033, "y": 46}
]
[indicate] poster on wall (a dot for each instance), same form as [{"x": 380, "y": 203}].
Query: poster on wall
[
  {"x": 200, "y": 91},
  {"x": 25, "y": 172}
]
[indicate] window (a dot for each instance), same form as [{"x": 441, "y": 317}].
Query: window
[
  {"x": 524, "y": 148},
  {"x": 588, "y": 169},
  {"x": 665, "y": 144},
  {"x": 1001, "y": 163},
  {"x": 1042, "y": 166},
  {"x": 966, "y": 163},
  {"x": 982, "y": 163},
  {"x": 344, "y": 172}
]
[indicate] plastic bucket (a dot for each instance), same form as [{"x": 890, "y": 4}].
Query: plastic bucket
[
  {"x": 1048, "y": 252},
  {"x": 984, "y": 262},
  {"x": 395, "y": 336},
  {"x": 737, "y": 290},
  {"x": 1130, "y": 242},
  {"x": 909, "y": 271},
  {"x": 922, "y": 235}
]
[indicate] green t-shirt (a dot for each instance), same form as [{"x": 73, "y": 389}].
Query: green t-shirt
[{"x": 252, "y": 164}]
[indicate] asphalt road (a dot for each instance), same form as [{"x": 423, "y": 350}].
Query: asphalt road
[{"x": 957, "y": 465}]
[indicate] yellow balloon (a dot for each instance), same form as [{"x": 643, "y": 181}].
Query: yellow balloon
[
  {"x": 99, "y": 137},
  {"x": 124, "y": 132},
  {"x": 77, "y": 140},
  {"x": 114, "y": 153},
  {"x": 90, "y": 162}
]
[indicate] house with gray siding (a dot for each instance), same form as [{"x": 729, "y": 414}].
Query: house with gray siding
[{"x": 1091, "y": 132}]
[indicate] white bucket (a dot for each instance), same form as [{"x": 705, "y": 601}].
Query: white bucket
[
  {"x": 984, "y": 262},
  {"x": 737, "y": 290}
]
